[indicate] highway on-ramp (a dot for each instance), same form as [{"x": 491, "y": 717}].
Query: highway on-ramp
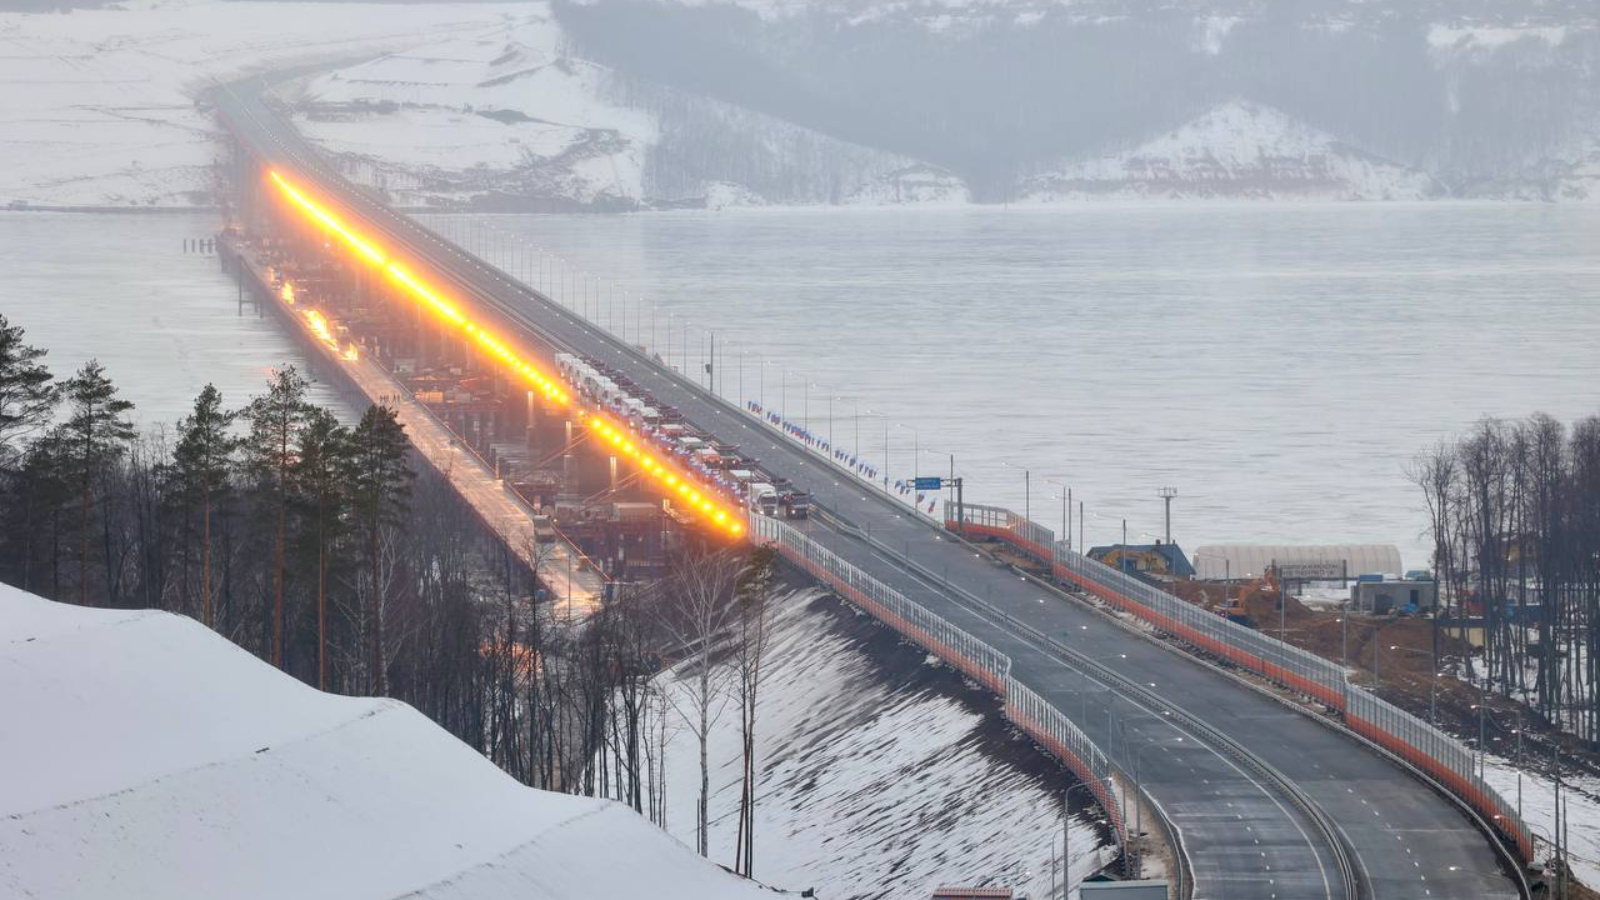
[{"x": 1268, "y": 802}]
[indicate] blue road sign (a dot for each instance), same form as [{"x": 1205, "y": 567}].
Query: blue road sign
[{"x": 928, "y": 484}]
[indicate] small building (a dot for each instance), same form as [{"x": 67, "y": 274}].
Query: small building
[
  {"x": 1384, "y": 597},
  {"x": 1305, "y": 562},
  {"x": 1156, "y": 560}
]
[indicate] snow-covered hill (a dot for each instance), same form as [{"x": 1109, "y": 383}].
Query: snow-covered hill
[
  {"x": 1238, "y": 150},
  {"x": 508, "y": 119},
  {"x": 145, "y": 757}
]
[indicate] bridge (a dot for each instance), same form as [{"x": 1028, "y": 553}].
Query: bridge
[{"x": 1261, "y": 795}]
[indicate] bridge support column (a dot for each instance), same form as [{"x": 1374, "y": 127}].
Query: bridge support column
[
  {"x": 566, "y": 457},
  {"x": 529, "y": 422}
]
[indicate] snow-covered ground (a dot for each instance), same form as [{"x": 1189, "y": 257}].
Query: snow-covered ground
[
  {"x": 882, "y": 775},
  {"x": 145, "y": 757},
  {"x": 1238, "y": 150},
  {"x": 1580, "y": 796},
  {"x": 100, "y": 105}
]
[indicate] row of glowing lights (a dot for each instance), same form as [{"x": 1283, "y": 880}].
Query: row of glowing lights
[
  {"x": 318, "y": 323},
  {"x": 675, "y": 482}
]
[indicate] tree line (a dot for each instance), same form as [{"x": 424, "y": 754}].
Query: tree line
[
  {"x": 1514, "y": 516},
  {"x": 321, "y": 549}
]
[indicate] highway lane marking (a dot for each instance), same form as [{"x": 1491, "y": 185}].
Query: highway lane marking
[{"x": 1028, "y": 640}]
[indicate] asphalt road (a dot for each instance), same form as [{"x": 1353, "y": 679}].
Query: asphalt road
[{"x": 1241, "y": 832}]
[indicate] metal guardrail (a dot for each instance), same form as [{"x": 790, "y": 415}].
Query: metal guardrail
[
  {"x": 1416, "y": 742},
  {"x": 1030, "y": 712}
]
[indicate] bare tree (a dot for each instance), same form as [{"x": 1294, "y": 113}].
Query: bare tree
[
  {"x": 750, "y": 646},
  {"x": 698, "y": 611}
]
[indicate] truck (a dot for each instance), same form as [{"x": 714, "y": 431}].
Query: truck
[
  {"x": 544, "y": 530},
  {"x": 795, "y": 504},
  {"x": 763, "y": 498}
]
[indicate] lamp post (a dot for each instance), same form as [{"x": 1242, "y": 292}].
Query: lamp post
[
  {"x": 1433, "y": 685},
  {"x": 1066, "y": 503},
  {"x": 916, "y": 459},
  {"x": 951, "y": 483},
  {"x": 1066, "y": 830}
]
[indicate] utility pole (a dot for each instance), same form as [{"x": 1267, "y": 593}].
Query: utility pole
[{"x": 1167, "y": 493}]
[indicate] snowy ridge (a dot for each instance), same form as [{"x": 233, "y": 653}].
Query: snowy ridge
[
  {"x": 881, "y": 774},
  {"x": 1238, "y": 150},
  {"x": 148, "y": 757}
]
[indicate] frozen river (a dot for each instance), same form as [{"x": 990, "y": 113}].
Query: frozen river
[
  {"x": 1277, "y": 364},
  {"x": 119, "y": 288}
]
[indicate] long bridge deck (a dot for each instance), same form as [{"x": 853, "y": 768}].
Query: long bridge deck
[{"x": 1244, "y": 835}]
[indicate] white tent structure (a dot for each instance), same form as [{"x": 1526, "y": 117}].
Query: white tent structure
[{"x": 1218, "y": 561}]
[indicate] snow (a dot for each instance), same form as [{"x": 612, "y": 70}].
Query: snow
[
  {"x": 147, "y": 757},
  {"x": 875, "y": 781},
  {"x": 1214, "y": 32},
  {"x": 1236, "y": 150},
  {"x": 549, "y": 106},
  {"x": 1580, "y": 796},
  {"x": 1490, "y": 38},
  {"x": 108, "y": 116}
]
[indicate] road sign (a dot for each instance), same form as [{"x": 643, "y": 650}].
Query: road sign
[{"x": 928, "y": 484}]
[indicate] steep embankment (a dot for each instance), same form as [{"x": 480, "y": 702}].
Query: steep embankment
[
  {"x": 882, "y": 773},
  {"x": 146, "y": 757}
]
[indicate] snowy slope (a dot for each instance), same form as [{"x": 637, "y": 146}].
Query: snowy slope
[
  {"x": 99, "y": 105},
  {"x": 1580, "y": 795},
  {"x": 882, "y": 775},
  {"x": 1237, "y": 150},
  {"x": 507, "y": 118},
  {"x": 146, "y": 757}
]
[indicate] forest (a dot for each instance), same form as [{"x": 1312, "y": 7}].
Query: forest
[
  {"x": 326, "y": 551},
  {"x": 1514, "y": 516}
]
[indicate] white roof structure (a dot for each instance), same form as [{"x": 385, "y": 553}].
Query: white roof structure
[
  {"x": 150, "y": 758},
  {"x": 1215, "y": 562}
]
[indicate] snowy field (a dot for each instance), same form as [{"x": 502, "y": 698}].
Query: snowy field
[
  {"x": 878, "y": 777},
  {"x": 148, "y": 758},
  {"x": 100, "y": 105}
]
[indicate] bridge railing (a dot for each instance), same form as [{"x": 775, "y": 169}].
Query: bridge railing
[
  {"x": 1030, "y": 712},
  {"x": 1418, "y": 743}
]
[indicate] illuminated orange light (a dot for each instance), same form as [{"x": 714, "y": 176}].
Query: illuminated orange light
[{"x": 430, "y": 297}]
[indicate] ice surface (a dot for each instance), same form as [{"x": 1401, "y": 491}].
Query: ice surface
[
  {"x": 163, "y": 322},
  {"x": 148, "y": 758}
]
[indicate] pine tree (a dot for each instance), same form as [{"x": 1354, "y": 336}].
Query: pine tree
[
  {"x": 380, "y": 482},
  {"x": 325, "y": 459},
  {"x": 276, "y": 420},
  {"x": 96, "y": 433},
  {"x": 27, "y": 398},
  {"x": 202, "y": 463}
]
